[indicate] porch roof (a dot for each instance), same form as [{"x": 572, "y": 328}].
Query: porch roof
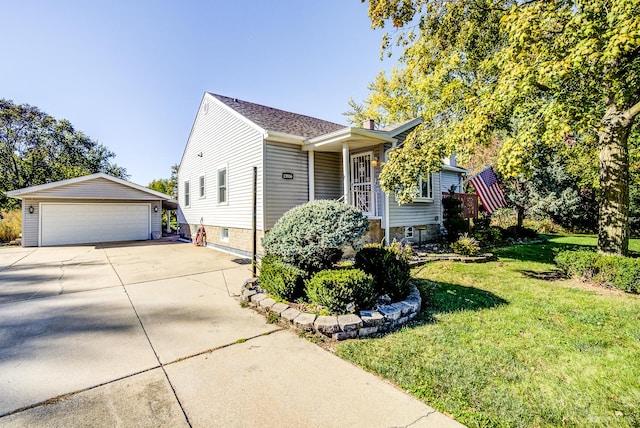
[{"x": 355, "y": 138}]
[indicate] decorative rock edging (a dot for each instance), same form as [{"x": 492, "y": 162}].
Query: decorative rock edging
[{"x": 350, "y": 326}]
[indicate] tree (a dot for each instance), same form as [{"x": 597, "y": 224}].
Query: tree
[
  {"x": 556, "y": 72},
  {"x": 163, "y": 185},
  {"x": 35, "y": 148}
]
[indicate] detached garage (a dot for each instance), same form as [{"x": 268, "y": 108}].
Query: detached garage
[{"x": 90, "y": 209}]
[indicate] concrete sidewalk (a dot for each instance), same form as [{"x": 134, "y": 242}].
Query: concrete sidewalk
[{"x": 151, "y": 334}]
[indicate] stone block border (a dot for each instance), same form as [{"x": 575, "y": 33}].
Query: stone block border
[{"x": 350, "y": 326}]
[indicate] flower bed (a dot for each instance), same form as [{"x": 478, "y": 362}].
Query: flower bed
[{"x": 382, "y": 319}]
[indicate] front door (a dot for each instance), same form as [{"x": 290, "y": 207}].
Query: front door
[{"x": 362, "y": 182}]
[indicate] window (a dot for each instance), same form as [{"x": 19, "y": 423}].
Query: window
[
  {"x": 222, "y": 186},
  {"x": 224, "y": 234},
  {"x": 202, "y": 186},
  {"x": 408, "y": 232},
  {"x": 425, "y": 189},
  {"x": 186, "y": 194}
]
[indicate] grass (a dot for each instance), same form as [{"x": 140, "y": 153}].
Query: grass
[
  {"x": 498, "y": 344},
  {"x": 10, "y": 225}
]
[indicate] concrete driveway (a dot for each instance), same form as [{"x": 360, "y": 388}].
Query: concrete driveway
[{"x": 151, "y": 334}]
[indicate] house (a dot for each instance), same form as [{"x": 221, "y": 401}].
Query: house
[
  {"x": 89, "y": 209},
  {"x": 298, "y": 159}
]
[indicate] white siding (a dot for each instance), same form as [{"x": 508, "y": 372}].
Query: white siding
[
  {"x": 328, "y": 175},
  {"x": 284, "y": 194},
  {"x": 220, "y": 139},
  {"x": 30, "y": 223},
  {"x": 419, "y": 213},
  {"x": 99, "y": 188},
  {"x": 450, "y": 178}
]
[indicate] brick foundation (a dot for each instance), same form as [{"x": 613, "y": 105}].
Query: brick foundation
[{"x": 421, "y": 234}]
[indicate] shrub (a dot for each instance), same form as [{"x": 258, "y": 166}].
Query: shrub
[
  {"x": 489, "y": 237},
  {"x": 452, "y": 216},
  {"x": 335, "y": 289},
  {"x": 311, "y": 236},
  {"x": 402, "y": 251},
  {"x": 391, "y": 272},
  {"x": 281, "y": 279},
  {"x": 580, "y": 263},
  {"x": 520, "y": 233},
  {"x": 466, "y": 245},
  {"x": 618, "y": 271},
  {"x": 10, "y": 225}
]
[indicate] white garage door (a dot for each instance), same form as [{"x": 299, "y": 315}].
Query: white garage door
[{"x": 86, "y": 223}]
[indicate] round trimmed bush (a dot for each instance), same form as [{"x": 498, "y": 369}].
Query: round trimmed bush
[
  {"x": 390, "y": 271},
  {"x": 281, "y": 279},
  {"x": 311, "y": 236},
  {"x": 335, "y": 289}
]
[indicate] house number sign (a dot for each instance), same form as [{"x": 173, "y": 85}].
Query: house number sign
[{"x": 287, "y": 175}]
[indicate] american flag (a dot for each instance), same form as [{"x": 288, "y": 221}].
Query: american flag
[{"x": 489, "y": 190}]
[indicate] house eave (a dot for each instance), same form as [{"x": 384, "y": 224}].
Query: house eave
[
  {"x": 405, "y": 126},
  {"x": 281, "y": 137},
  {"x": 347, "y": 135},
  {"x": 453, "y": 169}
]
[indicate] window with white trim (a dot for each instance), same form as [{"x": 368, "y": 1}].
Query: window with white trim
[
  {"x": 224, "y": 234},
  {"x": 222, "y": 186},
  {"x": 187, "y": 201},
  {"x": 202, "y": 186},
  {"x": 408, "y": 232},
  {"x": 425, "y": 189}
]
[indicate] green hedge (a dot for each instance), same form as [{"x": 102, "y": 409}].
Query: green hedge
[
  {"x": 337, "y": 288},
  {"x": 281, "y": 279},
  {"x": 618, "y": 271},
  {"x": 390, "y": 271}
]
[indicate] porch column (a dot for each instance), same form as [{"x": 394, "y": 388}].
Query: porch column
[
  {"x": 168, "y": 220},
  {"x": 312, "y": 175},
  {"x": 346, "y": 191}
]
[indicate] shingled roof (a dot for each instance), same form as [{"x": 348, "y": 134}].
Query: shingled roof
[{"x": 273, "y": 119}]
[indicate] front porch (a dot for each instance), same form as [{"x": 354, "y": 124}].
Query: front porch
[{"x": 345, "y": 166}]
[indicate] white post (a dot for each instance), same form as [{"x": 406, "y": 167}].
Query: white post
[
  {"x": 346, "y": 187},
  {"x": 312, "y": 175},
  {"x": 168, "y": 221}
]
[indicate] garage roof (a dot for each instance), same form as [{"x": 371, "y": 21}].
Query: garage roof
[{"x": 94, "y": 186}]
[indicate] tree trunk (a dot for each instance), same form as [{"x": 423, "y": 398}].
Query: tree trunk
[
  {"x": 613, "y": 221},
  {"x": 519, "y": 216}
]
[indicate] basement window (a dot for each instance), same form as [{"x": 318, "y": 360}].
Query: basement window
[{"x": 224, "y": 234}]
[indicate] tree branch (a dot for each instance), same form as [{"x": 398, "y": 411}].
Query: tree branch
[{"x": 632, "y": 111}]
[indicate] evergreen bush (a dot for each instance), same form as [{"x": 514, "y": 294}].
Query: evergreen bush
[
  {"x": 388, "y": 267},
  {"x": 338, "y": 288},
  {"x": 579, "y": 263},
  {"x": 618, "y": 271},
  {"x": 452, "y": 216},
  {"x": 312, "y": 236},
  {"x": 281, "y": 279}
]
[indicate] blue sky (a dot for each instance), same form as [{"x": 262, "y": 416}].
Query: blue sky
[{"x": 131, "y": 74}]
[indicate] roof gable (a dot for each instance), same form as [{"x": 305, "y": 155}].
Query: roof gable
[
  {"x": 93, "y": 186},
  {"x": 273, "y": 119}
]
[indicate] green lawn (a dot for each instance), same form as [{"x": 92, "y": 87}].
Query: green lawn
[{"x": 498, "y": 344}]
